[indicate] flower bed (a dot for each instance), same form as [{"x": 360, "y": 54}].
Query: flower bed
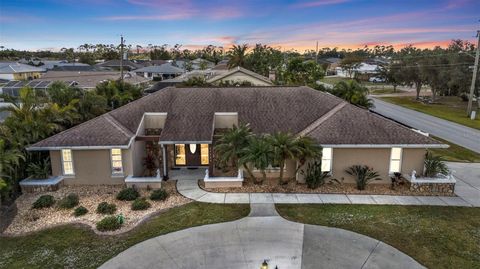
[
  {"x": 272, "y": 186},
  {"x": 29, "y": 220}
]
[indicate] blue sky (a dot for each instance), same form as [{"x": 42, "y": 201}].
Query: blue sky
[{"x": 53, "y": 24}]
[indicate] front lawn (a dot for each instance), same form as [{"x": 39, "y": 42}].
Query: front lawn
[
  {"x": 437, "y": 237},
  {"x": 455, "y": 153},
  {"x": 72, "y": 246},
  {"x": 448, "y": 108}
]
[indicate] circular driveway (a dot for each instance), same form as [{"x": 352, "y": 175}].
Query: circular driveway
[{"x": 245, "y": 243}]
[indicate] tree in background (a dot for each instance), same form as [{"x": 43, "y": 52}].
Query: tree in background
[
  {"x": 300, "y": 72},
  {"x": 351, "y": 62},
  {"x": 118, "y": 93},
  {"x": 238, "y": 56}
]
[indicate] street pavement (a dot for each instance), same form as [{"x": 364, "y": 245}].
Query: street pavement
[{"x": 458, "y": 134}]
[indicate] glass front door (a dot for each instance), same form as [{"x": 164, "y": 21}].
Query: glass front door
[{"x": 192, "y": 155}]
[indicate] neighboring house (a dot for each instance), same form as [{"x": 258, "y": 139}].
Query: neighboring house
[
  {"x": 115, "y": 65},
  {"x": 363, "y": 69},
  {"x": 239, "y": 75},
  {"x": 201, "y": 64},
  {"x": 160, "y": 72},
  {"x": 186, "y": 123},
  {"x": 331, "y": 63},
  {"x": 18, "y": 71},
  {"x": 76, "y": 67},
  {"x": 85, "y": 80}
]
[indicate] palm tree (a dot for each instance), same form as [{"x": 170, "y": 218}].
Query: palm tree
[
  {"x": 230, "y": 146},
  {"x": 258, "y": 153},
  {"x": 309, "y": 149},
  {"x": 353, "y": 92},
  {"x": 9, "y": 159},
  {"x": 285, "y": 147},
  {"x": 238, "y": 54}
]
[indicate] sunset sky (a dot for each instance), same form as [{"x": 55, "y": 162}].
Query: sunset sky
[{"x": 53, "y": 24}]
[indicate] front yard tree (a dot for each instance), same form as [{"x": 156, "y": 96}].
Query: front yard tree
[
  {"x": 230, "y": 146},
  {"x": 285, "y": 147},
  {"x": 258, "y": 153}
]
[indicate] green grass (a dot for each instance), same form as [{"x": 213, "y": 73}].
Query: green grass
[
  {"x": 334, "y": 80},
  {"x": 79, "y": 247},
  {"x": 437, "y": 237},
  {"x": 455, "y": 153},
  {"x": 449, "y": 108}
]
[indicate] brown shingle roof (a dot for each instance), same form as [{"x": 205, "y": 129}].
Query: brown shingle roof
[{"x": 190, "y": 117}]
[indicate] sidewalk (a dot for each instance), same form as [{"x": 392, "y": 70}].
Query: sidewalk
[{"x": 190, "y": 189}]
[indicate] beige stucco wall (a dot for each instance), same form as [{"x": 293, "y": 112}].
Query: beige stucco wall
[
  {"x": 377, "y": 158},
  {"x": 138, "y": 154},
  {"x": 92, "y": 167},
  {"x": 289, "y": 171},
  {"x": 240, "y": 77}
]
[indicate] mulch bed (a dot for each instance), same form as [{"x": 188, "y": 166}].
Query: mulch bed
[
  {"x": 272, "y": 186},
  {"x": 28, "y": 220}
]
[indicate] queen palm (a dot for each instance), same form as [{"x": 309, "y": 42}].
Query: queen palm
[
  {"x": 285, "y": 147},
  {"x": 258, "y": 153},
  {"x": 238, "y": 55},
  {"x": 231, "y": 144}
]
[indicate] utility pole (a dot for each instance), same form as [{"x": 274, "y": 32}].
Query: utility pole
[
  {"x": 474, "y": 77},
  {"x": 121, "y": 58},
  {"x": 316, "y": 54}
]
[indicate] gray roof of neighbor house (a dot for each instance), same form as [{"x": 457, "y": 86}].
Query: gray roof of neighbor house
[
  {"x": 90, "y": 79},
  {"x": 190, "y": 117},
  {"x": 12, "y": 68},
  {"x": 242, "y": 70},
  {"x": 116, "y": 63},
  {"x": 166, "y": 68}
]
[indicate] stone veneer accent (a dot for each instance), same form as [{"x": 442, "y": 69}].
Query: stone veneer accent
[{"x": 433, "y": 187}]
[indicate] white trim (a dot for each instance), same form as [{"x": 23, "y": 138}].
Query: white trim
[
  {"x": 331, "y": 159},
  {"x": 183, "y": 142},
  {"x": 81, "y": 147},
  {"x": 226, "y": 113},
  {"x": 63, "y": 167},
  {"x": 385, "y": 145},
  {"x": 155, "y": 114}
]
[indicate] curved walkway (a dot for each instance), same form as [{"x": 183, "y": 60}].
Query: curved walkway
[{"x": 263, "y": 235}]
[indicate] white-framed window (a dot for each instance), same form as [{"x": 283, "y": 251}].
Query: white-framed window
[
  {"x": 116, "y": 157},
  {"x": 327, "y": 154},
  {"x": 67, "y": 162},
  {"x": 395, "y": 160}
]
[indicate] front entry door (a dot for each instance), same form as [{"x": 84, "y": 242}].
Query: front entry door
[{"x": 193, "y": 155}]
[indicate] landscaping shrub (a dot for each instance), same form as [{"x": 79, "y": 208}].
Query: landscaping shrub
[
  {"x": 128, "y": 194},
  {"x": 363, "y": 174},
  {"x": 159, "y": 195},
  {"x": 44, "y": 201},
  {"x": 140, "y": 204},
  {"x": 109, "y": 223},
  {"x": 39, "y": 170},
  {"x": 106, "y": 208},
  {"x": 314, "y": 177},
  {"x": 434, "y": 165},
  {"x": 69, "y": 201},
  {"x": 80, "y": 211}
]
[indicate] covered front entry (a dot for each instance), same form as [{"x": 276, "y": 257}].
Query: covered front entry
[{"x": 191, "y": 155}]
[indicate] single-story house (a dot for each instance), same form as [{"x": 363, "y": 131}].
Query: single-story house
[
  {"x": 164, "y": 71},
  {"x": 185, "y": 124},
  {"x": 239, "y": 75},
  {"x": 19, "y": 71},
  {"x": 362, "y": 69}
]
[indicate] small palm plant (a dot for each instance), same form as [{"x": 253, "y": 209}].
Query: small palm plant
[
  {"x": 285, "y": 147},
  {"x": 314, "y": 176},
  {"x": 39, "y": 170},
  {"x": 258, "y": 153},
  {"x": 363, "y": 174},
  {"x": 434, "y": 165}
]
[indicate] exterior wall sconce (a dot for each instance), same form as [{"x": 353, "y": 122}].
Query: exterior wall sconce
[{"x": 264, "y": 265}]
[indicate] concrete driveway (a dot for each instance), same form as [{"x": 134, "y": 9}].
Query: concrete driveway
[
  {"x": 262, "y": 236},
  {"x": 450, "y": 131}
]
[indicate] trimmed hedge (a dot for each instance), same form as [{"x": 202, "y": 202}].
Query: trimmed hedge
[
  {"x": 110, "y": 223},
  {"x": 159, "y": 195},
  {"x": 44, "y": 201},
  {"x": 80, "y": 211},
  {"x": 69, "y": 201},
  {"x": 128, "y": 194},
  {"x": 140, "y": 204},
  {"x": 106, "y": 208}
]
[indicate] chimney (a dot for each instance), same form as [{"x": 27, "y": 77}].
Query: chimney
[{"x": 271, "y": 75}]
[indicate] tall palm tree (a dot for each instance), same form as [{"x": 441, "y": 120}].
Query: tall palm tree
[
  {"x": 285, "y": 147},
  {"x": 230, "y": 146},
  {"x": 258, "y": 153},
  {"x": 353, "y": 93},
  {"x": 238, "y": 54}
]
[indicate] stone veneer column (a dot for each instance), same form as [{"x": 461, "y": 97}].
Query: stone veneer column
[{"x": 165, "y": 162}]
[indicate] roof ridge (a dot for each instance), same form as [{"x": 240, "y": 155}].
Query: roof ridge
[
  {"x": 118, "y": 125},
  {"x": 322, "y": 119}
]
